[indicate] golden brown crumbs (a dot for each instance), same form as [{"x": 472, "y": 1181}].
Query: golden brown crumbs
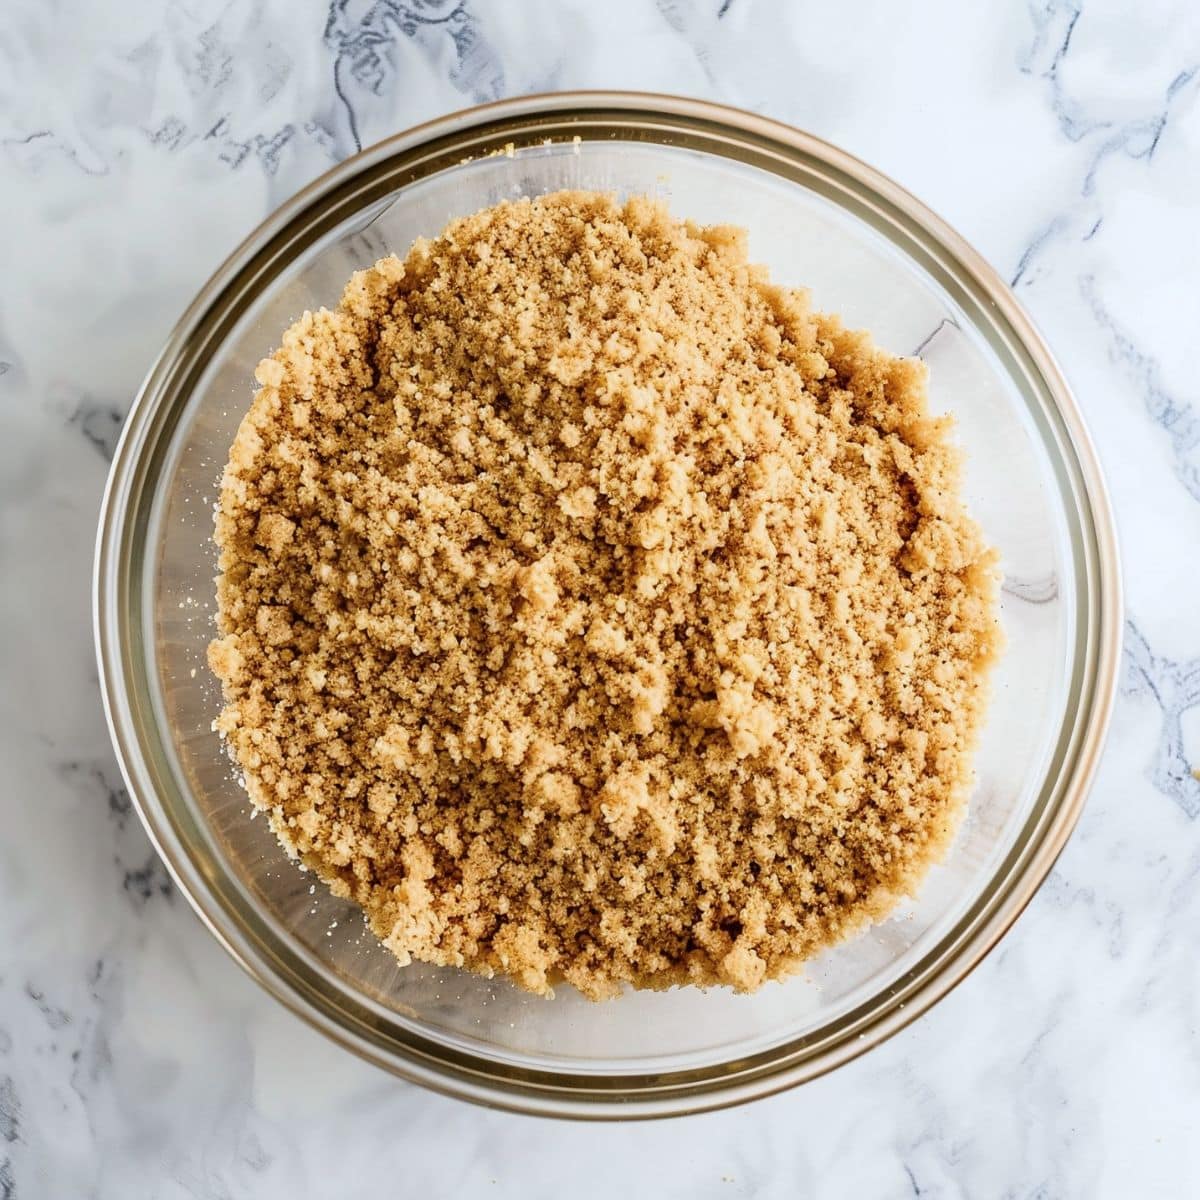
[{"x": 594, "y": 610}]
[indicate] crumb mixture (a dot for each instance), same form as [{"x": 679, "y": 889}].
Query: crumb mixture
[{"x": 594, "y": 610}]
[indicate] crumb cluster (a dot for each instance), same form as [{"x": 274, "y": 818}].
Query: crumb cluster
[{"x": 592, "y": 609}]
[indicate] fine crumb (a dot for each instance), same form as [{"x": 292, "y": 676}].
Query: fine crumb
[{"x": 593, "y": 610}]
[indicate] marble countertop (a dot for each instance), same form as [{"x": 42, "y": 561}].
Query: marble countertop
[{"x": 140, "y": 142}]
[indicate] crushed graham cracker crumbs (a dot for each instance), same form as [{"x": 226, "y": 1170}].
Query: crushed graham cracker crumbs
[{"x": 594, "y": 610}]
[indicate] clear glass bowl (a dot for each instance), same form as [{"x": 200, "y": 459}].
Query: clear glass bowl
[{"x": 867, "y": 250}]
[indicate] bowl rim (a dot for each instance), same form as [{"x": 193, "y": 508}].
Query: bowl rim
[{"x": 527, "y": 121}]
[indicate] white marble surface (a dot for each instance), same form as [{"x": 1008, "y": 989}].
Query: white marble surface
[{"x": 140, "y": 142}]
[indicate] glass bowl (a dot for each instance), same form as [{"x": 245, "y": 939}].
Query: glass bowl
[{"x": 867, "y": 250}]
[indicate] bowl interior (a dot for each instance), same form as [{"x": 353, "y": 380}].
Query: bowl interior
[{"x": 808, "y": 235}]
